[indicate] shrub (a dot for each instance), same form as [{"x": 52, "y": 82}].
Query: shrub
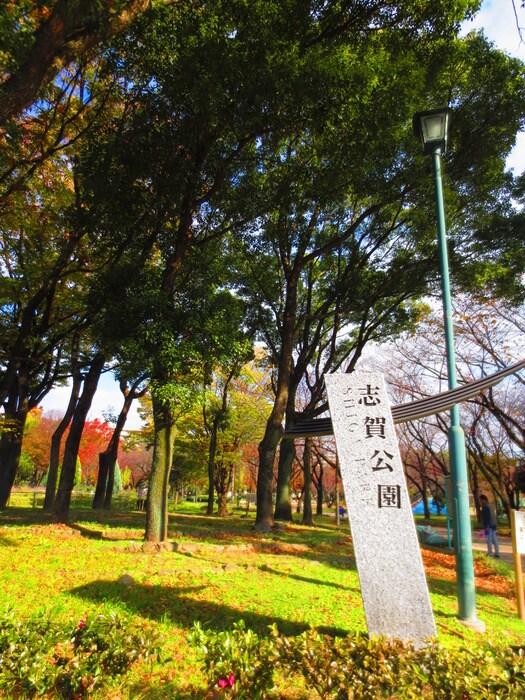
[
  {"x": 359, "y": 668},
  {"x": 237, "y": 661},
  {"x": 39, "y": 656}
]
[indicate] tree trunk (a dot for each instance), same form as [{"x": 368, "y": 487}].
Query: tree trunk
[
  {"x": 320, "y": 494},
  {"x": 157, "y": 503},
  {"x": 16, "y": 409},
  {"x": 56, "y": 441},
  {"x": 102, "y": 480},
  {"x": 213, "y": 430},
  {"x": 274, "y": 429},
  {"x": 108, "y": 459},
  {"x": 307, "y": 468},
  {"x": 10, "y": 451},
  {"x": 211, "y": 467},
  {"x": 222, "y": 504},
  {"x": 112, "y": 462},
  {"x": 283, "y": 499},
  {"x": 424, "y": 496},
  {"x": 267, "y": 449},
  {"x": 67, "y": 475},
  {"x": 474, "y": 485},
  {"x": 223, "y": 480}
]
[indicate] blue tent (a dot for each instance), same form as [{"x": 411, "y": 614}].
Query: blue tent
[{"x": 418, "y": 508}]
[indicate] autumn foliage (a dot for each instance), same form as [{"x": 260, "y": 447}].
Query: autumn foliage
[{"x": 37, "y": 442}]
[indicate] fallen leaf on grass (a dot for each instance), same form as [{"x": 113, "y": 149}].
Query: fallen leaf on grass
[{"x": 441, "y": 565}]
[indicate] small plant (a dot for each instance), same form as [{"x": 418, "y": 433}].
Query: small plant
[
  {"x": 238, "y": 661},
  {"x": 39, "y": 656}
]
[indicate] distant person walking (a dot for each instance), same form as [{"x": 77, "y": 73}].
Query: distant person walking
[{"x": 490, "y": 523}]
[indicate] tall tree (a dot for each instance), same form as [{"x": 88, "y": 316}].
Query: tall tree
[
  {"x": 108, "y": 458},
  {"x": 69, "y": 463},
  {"x": 397, "y": 259},
  {"x": 209, "y": 84},
  {"x": 58, "y": 434},
  {"x": 237, "y": 411},
  {"x": 41, "y": 310}
]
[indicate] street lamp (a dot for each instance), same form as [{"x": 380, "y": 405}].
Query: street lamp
[{"x": 432, "y": 128}]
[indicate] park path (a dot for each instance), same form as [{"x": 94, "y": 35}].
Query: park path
[{"x": 479, "y": 544}]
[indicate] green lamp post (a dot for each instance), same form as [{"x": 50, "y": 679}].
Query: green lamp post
[{"x": 432, "y": 128}]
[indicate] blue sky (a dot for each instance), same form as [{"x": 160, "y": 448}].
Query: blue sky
[{"x": 498, "y": 21}]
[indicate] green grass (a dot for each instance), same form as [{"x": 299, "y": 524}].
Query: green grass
[{"x": 296, "y": 577}]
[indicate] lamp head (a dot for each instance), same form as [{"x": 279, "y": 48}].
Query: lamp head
[{"x": 431, "y": 127}]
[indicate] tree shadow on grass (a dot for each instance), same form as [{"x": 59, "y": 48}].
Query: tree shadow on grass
[
  {"x": 184, "y": 607},
  {"x": 205, "y": 526},
  {"x": 111, "y": 534},
  {"x": 342, "y": 562},
  {"x": 205, "y": 552},
  {"x": 86, "y": 531},
  {"x": 193, "y": 525},
  {"x": 306, "y": 579},
  {"x": 448, "y": 589},
  {"x": 20, "y": 515},
  {"x": 442, "y": 586}
]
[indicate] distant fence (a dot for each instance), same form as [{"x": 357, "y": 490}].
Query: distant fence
[{"x": 31, "y": 498}]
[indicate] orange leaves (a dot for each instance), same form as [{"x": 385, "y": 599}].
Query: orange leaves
[{"x": 443, "y": 566}]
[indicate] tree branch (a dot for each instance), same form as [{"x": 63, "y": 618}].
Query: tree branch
[{"x": 73, "y": 28}]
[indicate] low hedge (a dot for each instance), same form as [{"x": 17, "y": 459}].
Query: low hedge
[
  {"x": 241, "y": 664},
  {"x": 42, "y": 657}
]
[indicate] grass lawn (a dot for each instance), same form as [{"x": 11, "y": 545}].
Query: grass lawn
[{"x": 296, "y": 577}]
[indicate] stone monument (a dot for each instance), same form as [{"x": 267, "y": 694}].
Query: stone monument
[{"x": 393, "y": 584}]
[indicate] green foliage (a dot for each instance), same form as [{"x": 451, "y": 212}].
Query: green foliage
[
  {"x": 356, "y": 667},
  {"x": 238, "y": 661},
  {"x": 125, "y": 477},
  {"x": 78, "y": 472},
  {"x": 18, "y": 21},
  {"x": 39, "y": 656},
  {"x": 117, "y": 483},
  {"x": 25, "y": 468}
]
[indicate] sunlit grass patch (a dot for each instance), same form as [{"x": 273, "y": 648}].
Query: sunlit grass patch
[{"x": 295, "y": 577}]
